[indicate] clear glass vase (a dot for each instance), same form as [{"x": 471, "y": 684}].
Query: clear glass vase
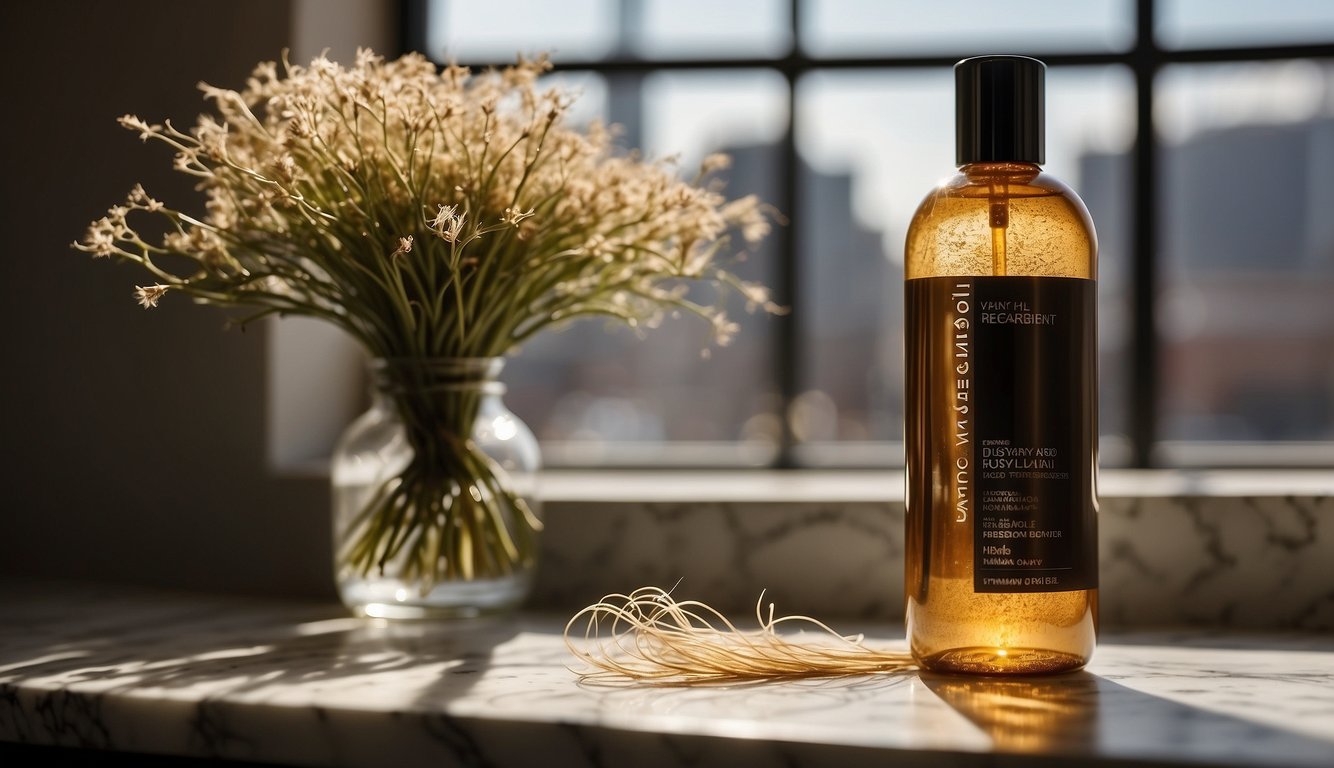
[{"x": 434, "y": 494}]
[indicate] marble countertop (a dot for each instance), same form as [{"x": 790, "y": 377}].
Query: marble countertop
[{"x": 105, "y": 667}]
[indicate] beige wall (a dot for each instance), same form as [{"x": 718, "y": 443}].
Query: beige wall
[{"x": 134, "y": 441}]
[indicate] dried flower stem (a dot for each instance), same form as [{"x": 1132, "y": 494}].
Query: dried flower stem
[{"x": 653, "y": 638}]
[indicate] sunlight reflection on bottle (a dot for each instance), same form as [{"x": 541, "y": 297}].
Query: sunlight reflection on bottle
[{"x": 504, "y": 427}]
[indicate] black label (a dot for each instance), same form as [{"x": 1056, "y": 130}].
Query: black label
[{"x": 1020, "y": 353}]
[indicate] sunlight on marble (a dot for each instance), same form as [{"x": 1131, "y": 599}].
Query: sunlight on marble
[{"x": 194, "y": 675}]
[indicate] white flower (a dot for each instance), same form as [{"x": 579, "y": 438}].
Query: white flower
[
  {"x": 448, "y": 223},
  {"x": 145, "y": 130},
  {"x": 724, "y": 330},
  {"x": 138, "y": 198},
  {"x": 513, "y": 216},
  {"x": 100, "y": 243},
  {"x": 404, "y": 247},
  {"x": 149, "y": 296}
]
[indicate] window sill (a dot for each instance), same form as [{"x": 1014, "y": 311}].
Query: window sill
[
  {"x": 1235, "y": 548},
  {"x": 1226, "y": 548},
  {"x": 869, "y": 486}
]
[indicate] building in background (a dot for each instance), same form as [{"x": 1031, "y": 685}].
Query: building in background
[{"x": 1247, "y": 278}]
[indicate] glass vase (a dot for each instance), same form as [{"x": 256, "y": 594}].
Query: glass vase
[{"x": 434, "y": 504}]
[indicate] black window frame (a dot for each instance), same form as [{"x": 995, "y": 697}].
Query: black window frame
[{"x": 1145, "y": 58}]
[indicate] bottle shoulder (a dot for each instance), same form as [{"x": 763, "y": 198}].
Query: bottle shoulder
[{"x": 1045, "y": 228}]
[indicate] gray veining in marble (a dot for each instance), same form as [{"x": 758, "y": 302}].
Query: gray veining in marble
[
  {"x": 841, "y": 559},
  {"x": 1226, "y": 561},
  {"x": 300, "y": 683}
]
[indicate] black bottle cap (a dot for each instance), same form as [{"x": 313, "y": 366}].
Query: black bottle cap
[{"x": 998, "y": 110}]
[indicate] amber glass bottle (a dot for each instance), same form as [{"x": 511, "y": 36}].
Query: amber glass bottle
[{"x": 1001, "y": 425}]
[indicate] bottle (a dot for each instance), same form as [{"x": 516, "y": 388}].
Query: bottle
[{"x": 1001, "y": 424}]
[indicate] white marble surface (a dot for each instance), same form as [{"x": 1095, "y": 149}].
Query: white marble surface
[{"x": 113, "y": 668}]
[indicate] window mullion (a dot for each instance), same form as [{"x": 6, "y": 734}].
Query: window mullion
[{"x": 1143, "y": 371}]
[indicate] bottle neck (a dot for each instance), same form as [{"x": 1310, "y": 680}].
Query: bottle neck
[
  {"x": 991, "y": 168},
  {"x": 437, "y": 375}
]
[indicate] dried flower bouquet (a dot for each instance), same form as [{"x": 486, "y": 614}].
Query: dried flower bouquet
[{"x": 430, "y": 214}]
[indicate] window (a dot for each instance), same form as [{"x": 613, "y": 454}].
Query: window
[{"x": 1217, "y": 254}]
